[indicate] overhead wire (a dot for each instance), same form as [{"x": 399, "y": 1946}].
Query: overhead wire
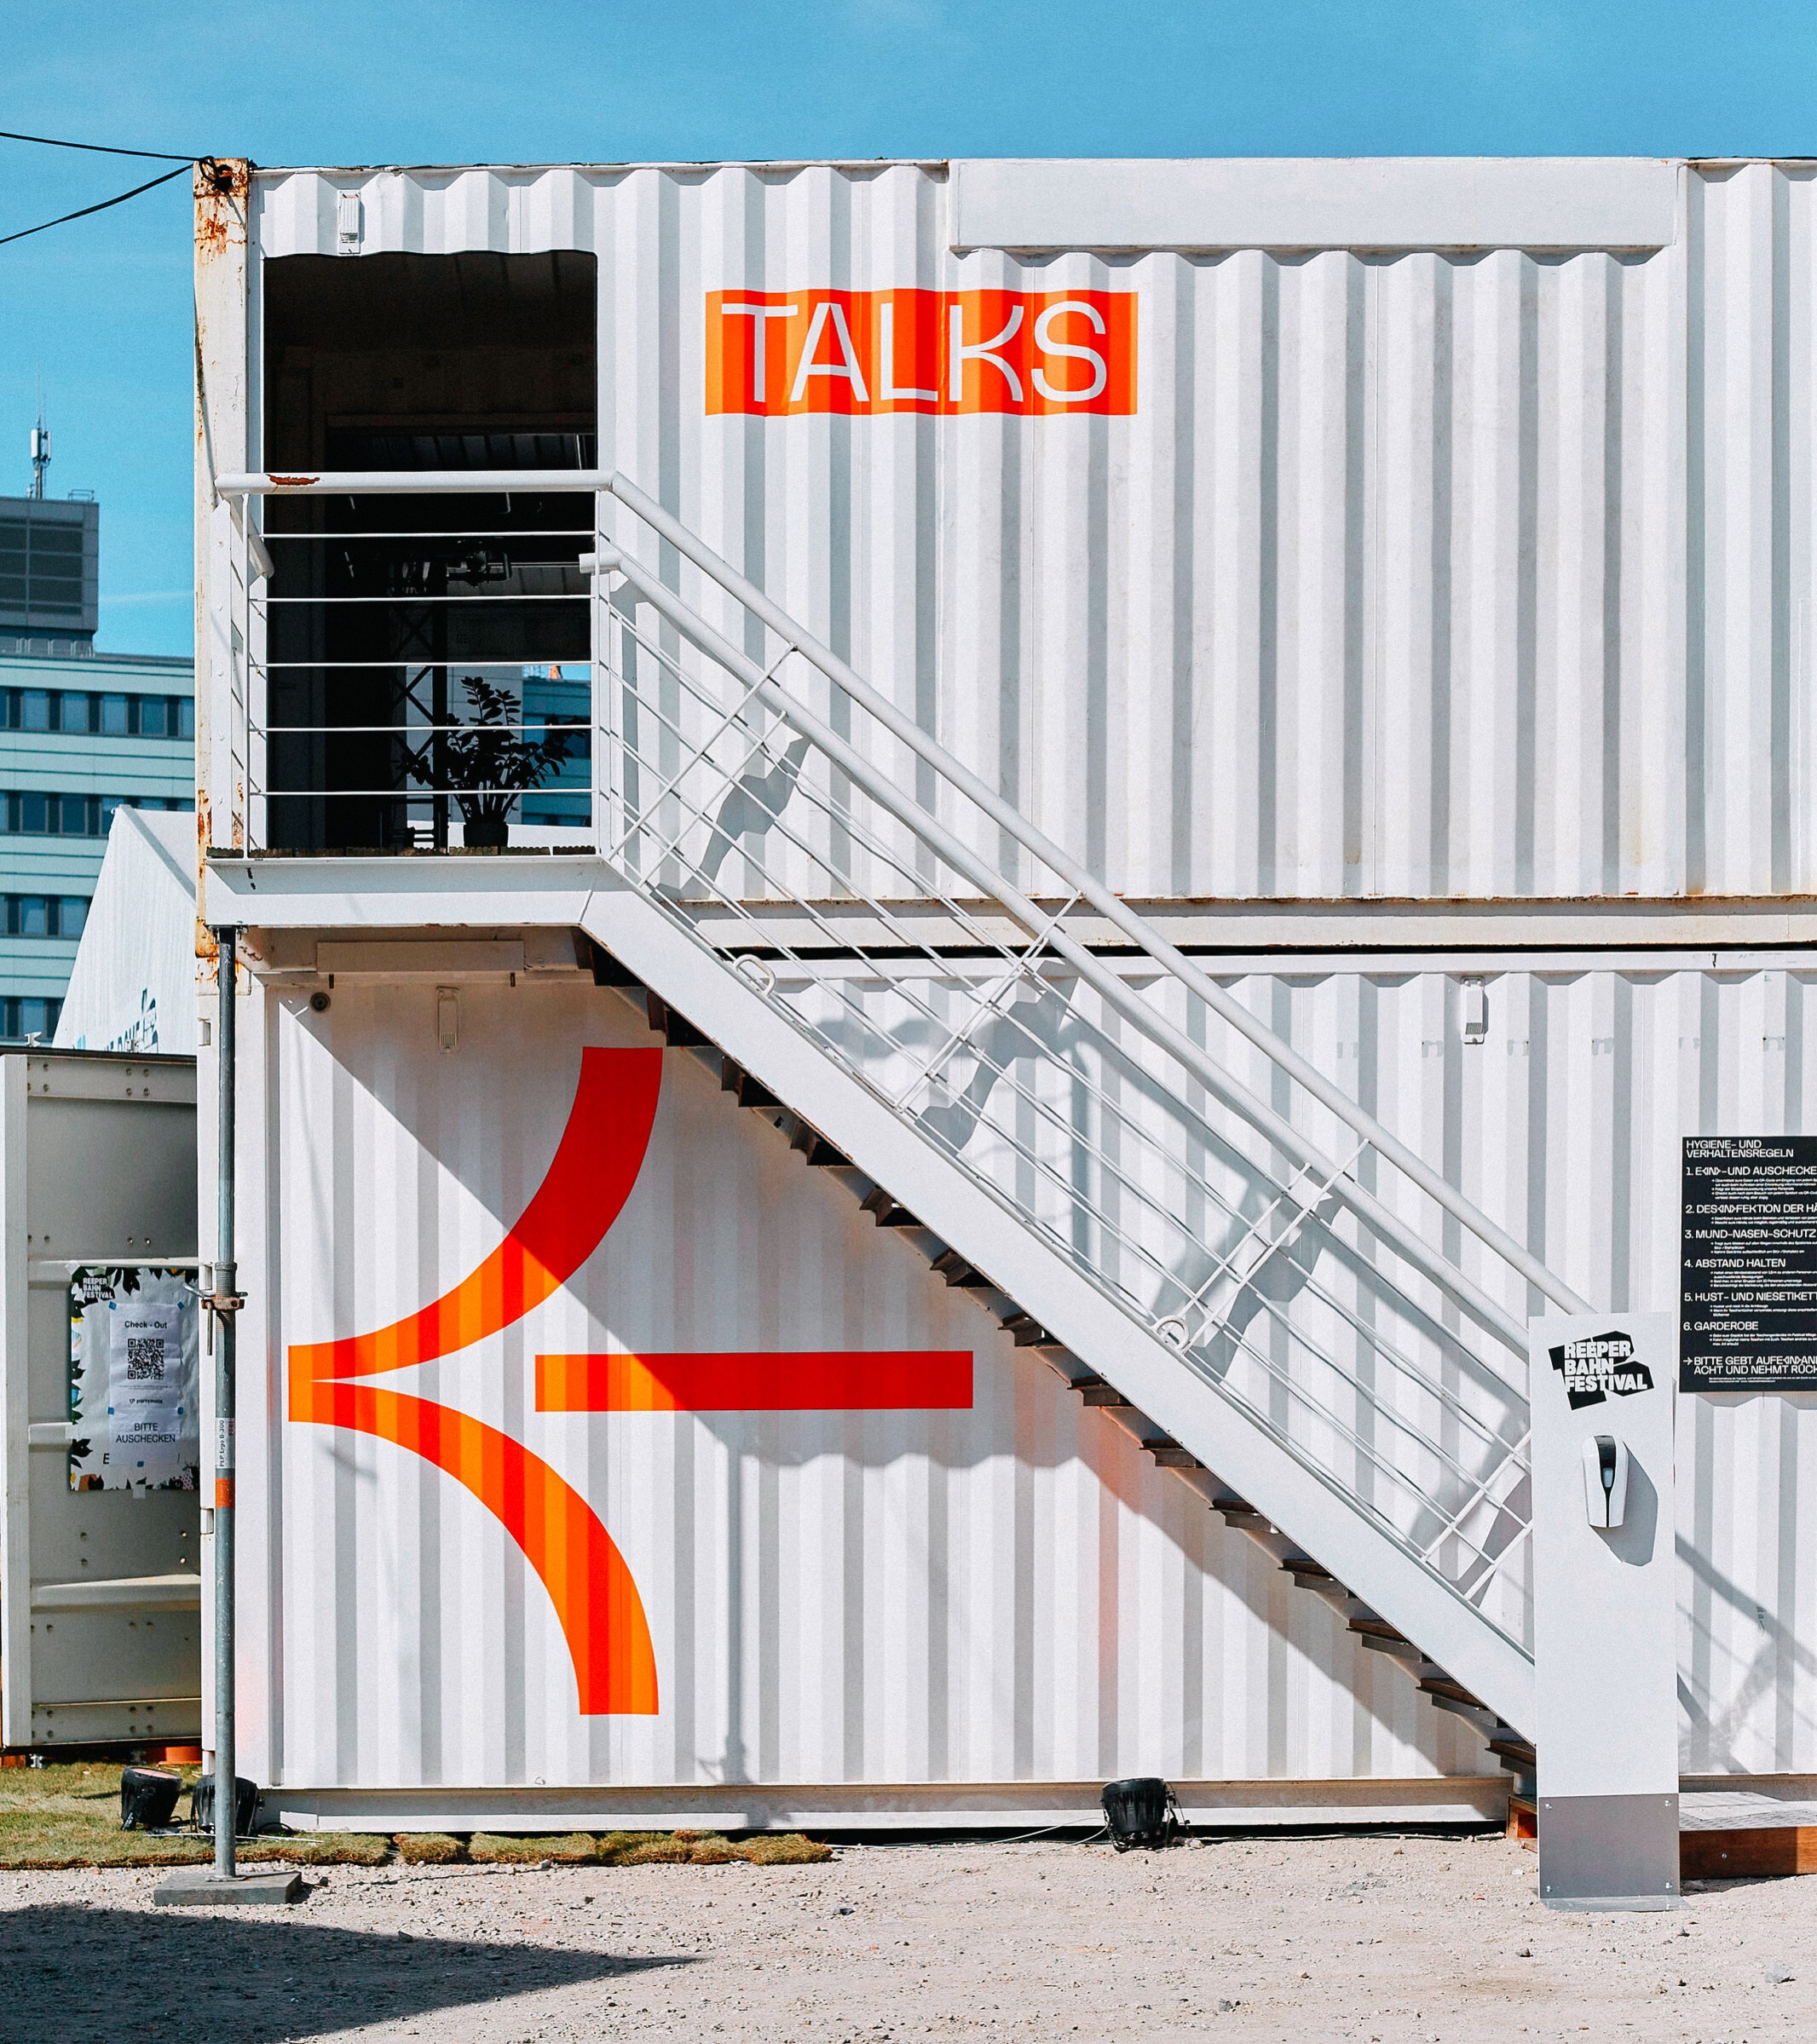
[
  {"x": 82, "y": 212},
  {"x": 54, "y": 141}
]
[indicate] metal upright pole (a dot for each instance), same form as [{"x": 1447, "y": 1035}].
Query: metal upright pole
[{"x": 226, "y": 1298}]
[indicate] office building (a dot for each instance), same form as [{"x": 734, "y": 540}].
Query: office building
[{"x": 81, "y": 734}]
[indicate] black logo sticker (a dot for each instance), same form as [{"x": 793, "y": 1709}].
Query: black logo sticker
[{"x": 1595, "y": 1367}]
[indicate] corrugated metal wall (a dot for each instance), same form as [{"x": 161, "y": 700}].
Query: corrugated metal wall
[
  {"x": 1011, "y": 1593},
  {"x": 1411, "y": 575},
  {"x": 1014, "y": 1592},
  {"x": 1566, "y": 1125}
]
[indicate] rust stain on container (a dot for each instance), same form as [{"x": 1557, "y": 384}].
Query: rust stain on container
[{"x": 220, "y": 183}]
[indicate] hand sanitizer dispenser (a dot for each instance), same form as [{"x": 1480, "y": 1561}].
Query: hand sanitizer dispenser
[{"x": 1605, "y": 1481}]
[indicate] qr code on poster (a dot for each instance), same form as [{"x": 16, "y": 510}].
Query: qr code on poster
[{"x": 144, "y": 1355}]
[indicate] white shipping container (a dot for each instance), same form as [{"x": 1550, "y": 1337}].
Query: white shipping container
[
  {"x": 1393, "y": 578},
  {"x": 923, "y": 1613},
  {"x": 994, "y": 1600},
  {"x": 99, "y": 1564},
  {"x": 1470, "y": 567}
]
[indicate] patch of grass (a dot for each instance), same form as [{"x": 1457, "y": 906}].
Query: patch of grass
[
  {"x": 612, "y": 1845},
  {"x": 429, "y": 1849},
  {"x": 783, "y": 1849},
  {"x": 516, "y": 1849},
  {"x": 321, "y": 1848},
  {"x": 709, "y": 1849},
  {"x": 69, "y": 1817}
]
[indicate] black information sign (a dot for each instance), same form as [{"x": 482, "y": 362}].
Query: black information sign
[{"x": 1748, "y": 1302}]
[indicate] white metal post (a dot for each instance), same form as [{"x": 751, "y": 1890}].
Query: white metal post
[{"x": 225, "y": 1290}]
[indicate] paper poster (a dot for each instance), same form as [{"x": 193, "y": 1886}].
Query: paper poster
[
  {"x": 133, "y": 1381},
  {"x": 145, "y": 1379}
]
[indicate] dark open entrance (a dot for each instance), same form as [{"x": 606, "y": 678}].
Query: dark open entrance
[{"x": 385, "y": 611}]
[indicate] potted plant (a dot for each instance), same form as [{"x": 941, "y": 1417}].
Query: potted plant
[{"x": 489, "y": 762}]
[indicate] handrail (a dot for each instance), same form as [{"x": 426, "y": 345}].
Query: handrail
[
  {"x": 1110, "y": 905},
  {"x": 1109, "y": 985}
]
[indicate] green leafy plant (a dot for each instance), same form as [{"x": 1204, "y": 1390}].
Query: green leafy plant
[{"x": 489, "y": 762}]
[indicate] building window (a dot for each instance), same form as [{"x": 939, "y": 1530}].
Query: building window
[
  {"x": 45, "y": 915},
  {"x": 21, "y": 1018},
  {"x": 82, "y": 711},
  {"x": 34, "y": 814}
]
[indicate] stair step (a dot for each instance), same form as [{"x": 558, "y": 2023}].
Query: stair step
[
  {"x": 677, "y": 1030},
  {"x": 1514, "y": 1748},
  {"x": 1027, "y": 1332},
  {"x": 1238, "y": 1511},
  {"x": 1381, "y": 1637},
  {"x": 1095, "y": 1392},
  {"x": 1169, "y": 1454},
  {"x": 750, "y": 1093},
  {"x": 886, "y": 1212},
  {"x": 1473, "y": 1714},
  {"x": 1442, "y": 1688},
  {"x": 816, "y": 1149},
  {"x": 1307, "y": 1573},
  {"x": 608, "y": 971},
  {"x": 954, "y": 1268}
]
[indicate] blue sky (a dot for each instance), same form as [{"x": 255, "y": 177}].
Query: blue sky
[{"x": 101, "y": 309}]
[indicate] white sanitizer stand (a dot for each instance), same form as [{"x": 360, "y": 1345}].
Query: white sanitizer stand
[{"x": 1605, "y": 1610}]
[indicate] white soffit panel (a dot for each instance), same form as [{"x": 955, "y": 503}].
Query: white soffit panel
[{"x": 1412, "y": 202}]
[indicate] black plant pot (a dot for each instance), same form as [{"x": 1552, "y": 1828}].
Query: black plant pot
[{"x": 487, "y": 834}]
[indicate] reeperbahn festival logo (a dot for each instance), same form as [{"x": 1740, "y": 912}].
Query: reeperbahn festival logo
[{"x": 1598, "y": 1366}]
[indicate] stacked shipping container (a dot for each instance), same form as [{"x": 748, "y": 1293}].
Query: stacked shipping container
[{"x": 1431, "y": 602}]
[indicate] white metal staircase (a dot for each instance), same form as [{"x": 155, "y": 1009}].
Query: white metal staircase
[{"x": 1203, "y": 1232}]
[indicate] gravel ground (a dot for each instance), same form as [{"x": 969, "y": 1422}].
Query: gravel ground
[{"x": 1370, "y": 1938}]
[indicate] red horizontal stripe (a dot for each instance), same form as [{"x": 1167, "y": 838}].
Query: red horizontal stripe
[{"x": 865, "y": 1381}]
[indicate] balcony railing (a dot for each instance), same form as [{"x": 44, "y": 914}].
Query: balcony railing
[{"x": 411, "y": 670}]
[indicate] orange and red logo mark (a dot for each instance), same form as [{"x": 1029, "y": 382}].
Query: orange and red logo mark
[
  {"x": 777, "y": 353},
  {"x": 590, "y": 1176}
]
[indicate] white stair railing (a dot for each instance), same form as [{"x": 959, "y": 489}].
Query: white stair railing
[
  {"x": 1100, "y": 1103},
  {"x": 942, "y": 950}
]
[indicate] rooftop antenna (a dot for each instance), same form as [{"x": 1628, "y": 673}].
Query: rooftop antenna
[{"x": 40, "y": 446}]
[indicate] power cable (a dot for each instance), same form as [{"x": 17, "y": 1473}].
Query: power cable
[
  {"x": 82, "y": 212},
  {"x": 52, "y": 141}
]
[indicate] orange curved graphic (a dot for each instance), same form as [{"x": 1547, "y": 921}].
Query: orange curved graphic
[
  {"x": 588, "y": 1179},
  {"x": 595, "y": 1166},
  {"x": 592, "y": 1591}
]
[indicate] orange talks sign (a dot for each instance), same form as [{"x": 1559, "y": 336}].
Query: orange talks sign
[{"x": 775, "y": 354}]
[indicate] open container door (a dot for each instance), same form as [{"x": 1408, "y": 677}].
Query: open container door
[{"x": 99, "y": 1570}]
